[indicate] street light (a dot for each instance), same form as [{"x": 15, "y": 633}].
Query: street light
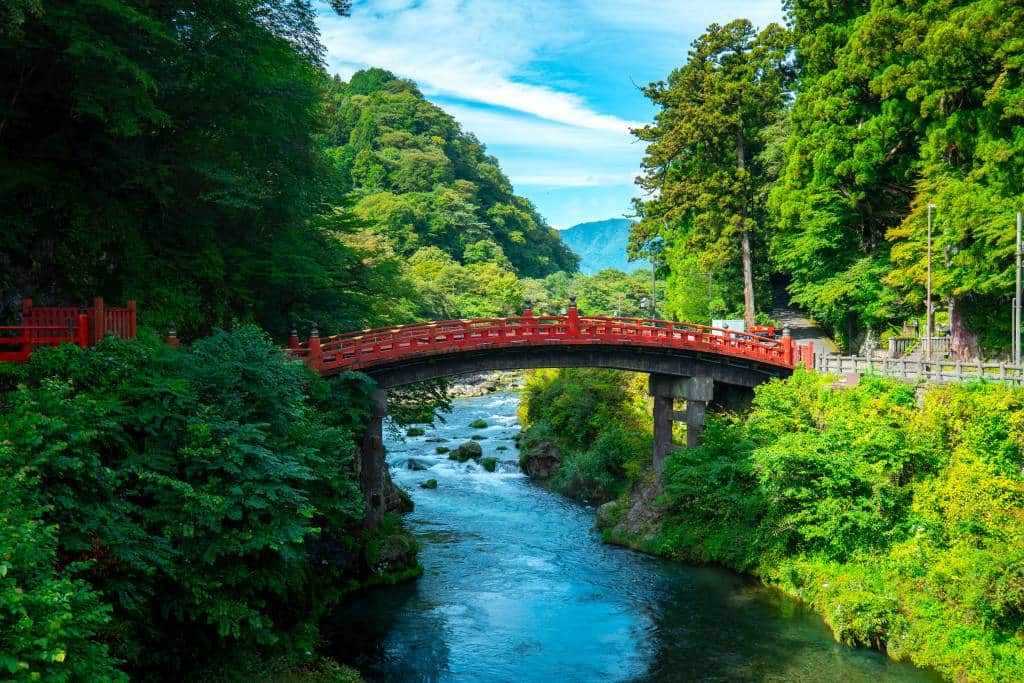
[{"x": 929, "y": 320}]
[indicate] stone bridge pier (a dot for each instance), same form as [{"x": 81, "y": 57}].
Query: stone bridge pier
[
  {"x": 373, "y": 475},
  {"x": 700, "y": 394}
]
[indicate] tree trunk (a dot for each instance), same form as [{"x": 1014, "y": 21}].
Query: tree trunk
[
  {"x": 748, "y": 281},
  {"x": 963, "y": 343},
  {"x": 748, "y": 266}
]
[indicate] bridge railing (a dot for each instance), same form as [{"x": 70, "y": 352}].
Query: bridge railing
[{"x": 365, "y": 348}]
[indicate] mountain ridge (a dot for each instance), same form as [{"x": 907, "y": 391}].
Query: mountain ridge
[{"x": 600, "y": 244}]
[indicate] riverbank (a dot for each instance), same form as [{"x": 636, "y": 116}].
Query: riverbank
[{"x": 897, "y": 522}]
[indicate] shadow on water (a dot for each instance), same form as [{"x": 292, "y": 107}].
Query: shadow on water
[{"x": 517, "y": 587}]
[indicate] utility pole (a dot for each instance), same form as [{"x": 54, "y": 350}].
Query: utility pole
[
  {"x": 929, "y": 322},
  {"x": 1017, "y": 299}
]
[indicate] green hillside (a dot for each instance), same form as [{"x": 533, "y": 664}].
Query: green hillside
[{"x": 423, "y": 182}]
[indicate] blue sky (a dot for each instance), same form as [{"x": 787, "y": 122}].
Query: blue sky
[{"x": 549, "y": 86}]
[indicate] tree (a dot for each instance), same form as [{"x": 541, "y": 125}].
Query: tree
[{"x": 702, "y": 159}]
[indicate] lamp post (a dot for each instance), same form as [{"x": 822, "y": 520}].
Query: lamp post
[
  {"x": 929, "y": 321},
  {"x": 1017, "y": 307}
]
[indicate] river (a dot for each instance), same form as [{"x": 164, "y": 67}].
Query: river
[{"x": 518, "y": 587}]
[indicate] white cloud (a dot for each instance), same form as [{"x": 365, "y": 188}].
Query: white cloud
[
  {"x": 573, "y": 180},
  {"x": 473, "y": 50},
  {"x": 513, "y": 128}
]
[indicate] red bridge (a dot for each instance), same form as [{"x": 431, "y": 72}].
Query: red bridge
[{"x": 383, "y": 348}]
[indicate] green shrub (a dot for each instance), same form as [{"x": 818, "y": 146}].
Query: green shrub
[
  {"x": 182, "y": 492},
  {"x": 478, "y": 423},
  {"x": 489, "y": 463}
]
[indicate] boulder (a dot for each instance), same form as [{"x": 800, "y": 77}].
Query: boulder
[
  {"x": 478, "y": 423},
  {"x": 392, "y": 553},
  {"x": 608, "y": 515},
  {"x": 415, "y": 465},
  {"x": 470, "y": 450},
  {"x": 489, "y": 464},
  {"x": 428, "y": 484},
  {"x": 415, "y": 431},
  {"x": 541, "y": 460}
]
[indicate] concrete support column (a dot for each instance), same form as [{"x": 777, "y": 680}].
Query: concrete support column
[
  {"x": 372, "y": 466},
  {"x": 664, "y": 389},
  {"x": 663, "y": 408}
]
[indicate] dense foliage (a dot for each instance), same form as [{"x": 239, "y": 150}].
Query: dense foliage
[
  {"x": 897, "y": 106},
  {"x": 166, "y": 508}
]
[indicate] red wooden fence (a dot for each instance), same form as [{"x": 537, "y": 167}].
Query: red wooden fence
[{"x": 50, "y": 326}]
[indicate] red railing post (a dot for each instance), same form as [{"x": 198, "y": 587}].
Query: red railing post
[
  {"x": 131, "y": 320},
  {"x": 313, "y": 345},
  {"x": 99, "y": 323},
  {"x": 574, "y": 318},
  {"x": 82, "y": 329},
  {"x": 787, "y": 347},
  {"x": 26, "y": 310},
  {"x": 293, "y": 339}
]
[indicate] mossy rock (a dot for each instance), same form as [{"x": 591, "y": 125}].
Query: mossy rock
[
  {"x": 501, "y": 448},
  {"x": 440, "y": 450},
  {"x": 489, "y": 464},
  {"x": 415, "y": 431},
  {"x": 479, "y": 423},
  {"x": 478, "y": 437},
  {"x": 470, "y": 450},
  {"x": 429, "y": 484},
  {"x": 436, "y": 439}
]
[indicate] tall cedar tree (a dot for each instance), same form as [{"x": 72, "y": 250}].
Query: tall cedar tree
[{"x": 703, "y": 154}]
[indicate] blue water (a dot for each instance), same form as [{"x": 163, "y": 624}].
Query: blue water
[{"x": 518, "y": 587}]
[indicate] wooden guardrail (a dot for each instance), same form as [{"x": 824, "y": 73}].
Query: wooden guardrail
[
  {"x": 919, "y": 370},
  {"x": 901, "y": 346}
]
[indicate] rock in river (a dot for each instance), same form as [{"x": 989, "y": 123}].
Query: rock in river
[{"x": 470, "y": 450}]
